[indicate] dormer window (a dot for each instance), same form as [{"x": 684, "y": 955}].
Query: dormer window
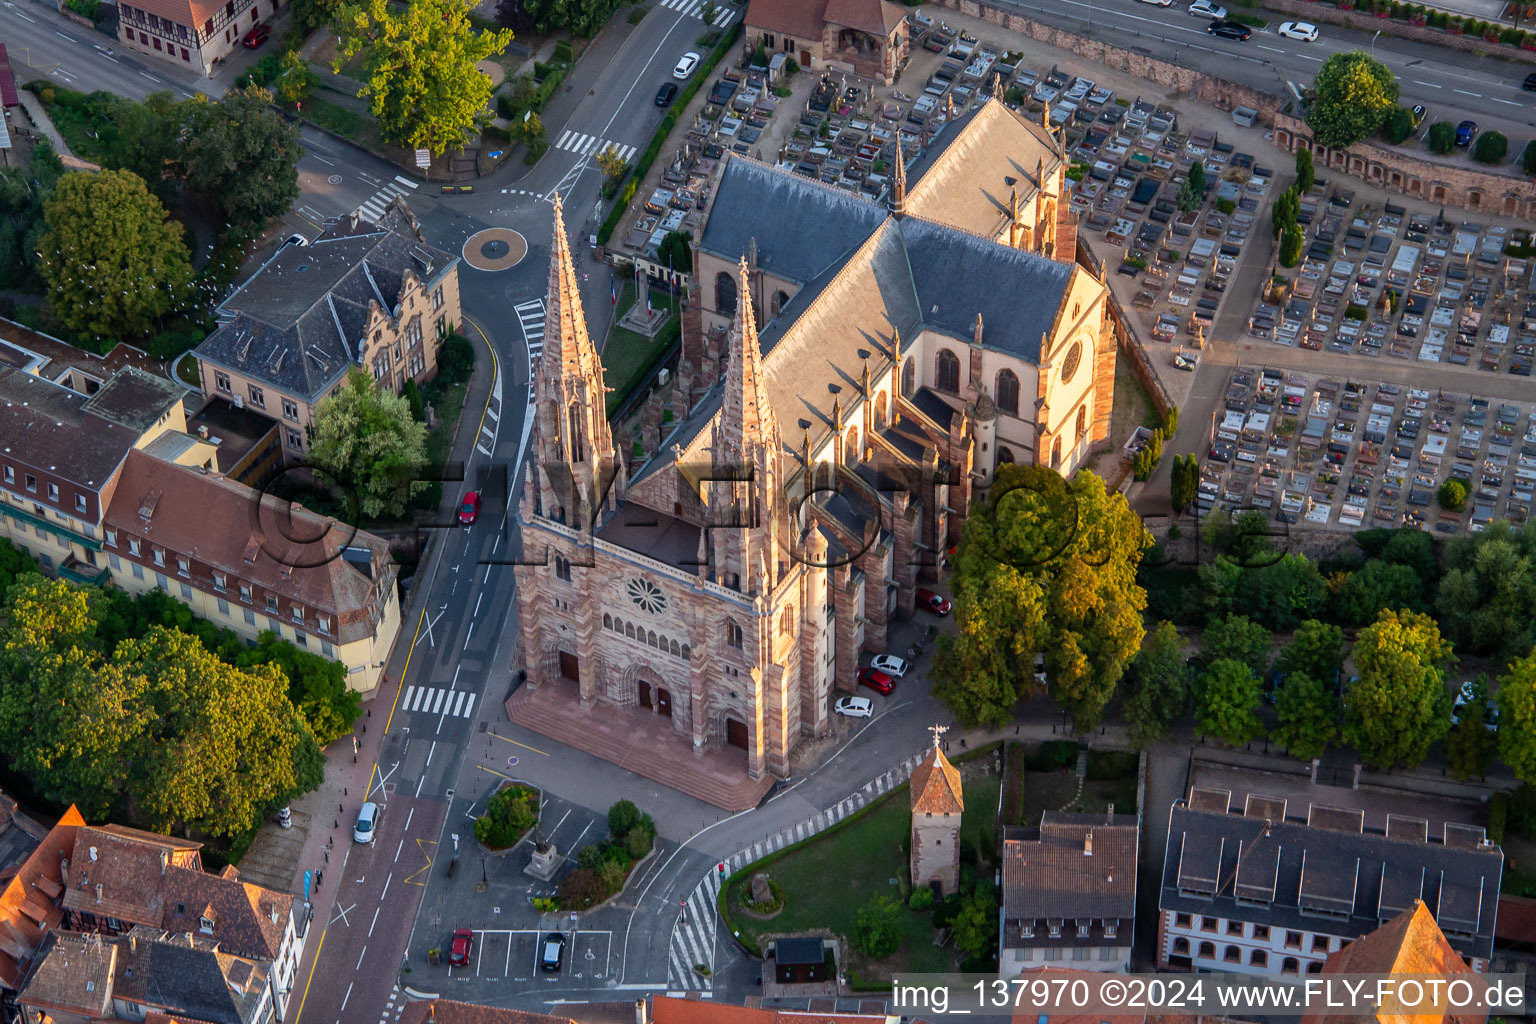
[
  {"x": 323, "y": 624},
  {"x": 133, "y": 546},
  {"x": 220, "y": 581},
  {"x": 183, "y": 567},
  {"x": 1109, "y": 929},
  {"x": 53, "y": 492},
  {"x": 205, "y": 925},
  {"x": 298, "y": 615},
  {"x": 271, "y": 604},
  {"x": 80, "y": 503},
  {"x": 1082, "y": 929},
  {"x": 159, "y": 556},
  {"x": 111, "y": 537},
  {"x": 246, "y": 594},
  {"x": 1028, "y": 931},
  {"x": 1055, "y": 931}
]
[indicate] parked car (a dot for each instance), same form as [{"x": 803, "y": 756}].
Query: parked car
[
  {"x": 296, "y": 239},
  {"x": 1230, "y": 30},
  {"x": 1302, "y": 30},
  {"x": 876, "y": 680},
  {"x": 933, "y": 602},
  {"x": 1467, "y": 695},
  {"x": 1529, "y": 85},
  {"x": 469, "y": 511},
  {"x": 463, "y": 944},
  {"x": 854, "y": 707},
  {"x": 1465, "y": 132},
  {"x": 258, "y": 35},
  {"x": 889, "y": 664},
  {"x": 1207, "y": 9},
  {"x": 554, "y": 952},
  {"x": 1159, "y": 3},
  {"x": 666, "y": 94},
  {"x": 367, "y": 823},
  {"x": 686, "y": 65}
]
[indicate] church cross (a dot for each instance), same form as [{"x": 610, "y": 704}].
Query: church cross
[{"x": 937, "y": 730}]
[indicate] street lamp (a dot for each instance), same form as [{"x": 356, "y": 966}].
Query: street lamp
[{"x": 1373, "y": 42}]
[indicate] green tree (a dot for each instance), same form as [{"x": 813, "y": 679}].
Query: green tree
[
  {"x": 365, "y": 437},
  {"x": 1442, "y": 137},
  {"x": 1398, "y": 126},
  {"x": 1351, "y": 97},
  {"x": 975, "y": 927},
  {"x": 1290, "y": 247},
  {"x": 1046, "y": 566},
  {"x": 1283, "y": 213},
  {"x": 240, "y": 156},
  {"x": 1490, "y": 148},
  {"x": 877, "y": 930},
  {"x": 112, "y": 261},
  {"x": 143, "y": 138},
  {"x": 676, "y": 251},
  {"x": 412, "y": 393},
  {"x": 708, "y": 11},
  {"x": 1316, "y": 649},
  {"x": 581, "y": 17},
  {"x": 1192, "y": 192},
  {"x": 1156, "y": 692},
  {"x": 1236, "y": 638},
  {"x": 1226, "y": 700},
  {"x": 1278, "y": 591},
  {"x": 1306, "y": 715},
  {"x": 1469, "y": 745},
  {"x": 23, "y": 194},
  {"x": 317, "y": 686},
  {"x": 295, "y": 81},
  {"x": 1488, "y": 590},
  {"x": 613, "y": 166},
  {"x": 1452, "y": 495},
  {"x": 1517, "y": 718},
  {"x": 420, "y": 73},
  {"x": 1358, "y": 597},
  {"x": 1306, "y": 173},
  {"x": 1184, "y": 482},
  {"x": 1399, "y": 707}
]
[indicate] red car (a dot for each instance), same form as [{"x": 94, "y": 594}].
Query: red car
[
  {"x": 463, "y": 945},
  {"x": 256, "y": 36},
  {"x": 470, "y": 510},
  {"x": 876, "y": 680},
  {"x": 927, "y": 599}
]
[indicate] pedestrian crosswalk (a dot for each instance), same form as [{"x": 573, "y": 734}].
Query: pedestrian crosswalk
[
  {"x": 433, "y": 701},
  {"x": 591, "y": 145},
  {"x": 693, "y": 940},
  {"x": 695, "y": 9},
  {"x": 373, "y": 207},
  {"x": 530, "y": 315}
]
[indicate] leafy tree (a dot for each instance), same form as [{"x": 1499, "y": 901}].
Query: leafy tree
[
  {"x": 112, "y": 261},
  {"x": 1306, "y": 715},
  {"x": 1469, "y": 745},
  {"x": 412, "y": 393},
  {"x": 317, "y": 686},
  {"x": 1306, "y": 173},
  {"x": 676, "y": 251},
  {"x": 1046, "y": 565},
  {"x": 23, "y": 194},
  {"x": 975, "y": 927},
  {"x": 613, "y": 166},
  {"x": 708, "y": 11},
  {"x": 1283, "y": 213},
  {"x": 530, "y": 131},
  {"x": 1316, "y": 649},
  {"x": 1490, "y": 148},
  {"x": 1452, "y": 495},
  {"x": 295, "y": 81},
  {"x": 1277, "y": 593},
  {"x": 1358, "y": 597},
  {"x": 14, "y": 563},
  {"x": 877, "y": 931},
  {"x": 1236, "y": 638},
  {"x": 455, "y": 359},
  {"x": 1517, "y": 718},
  {"x": 1192, "y": 192},
  {"x": 241, "y": 156},
  {"x": 1398, "y": 126},
  {"x": 1290, "y": 247},
  {"x": 420, "y": 75},
  {"x": 1226, "y": 699},
  {"x": 622, "y": 817},
  {"x": 143, "y": 138},
  {"x": 581, "y": 17},
  {"x": 366, "y": 437},
  {"x": 1399, "y": 706},
  {"x": 1184, "y": 482},
  {"x": 1352, "y": 96},
  {"x": 1157, "y": 685},
  {"x": 1488, "y": 590},
  {"x": 1442, "y": 137}
]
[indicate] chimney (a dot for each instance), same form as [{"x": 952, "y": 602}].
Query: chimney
[
  {"x": 642, "y": 1011},
  {"x": 202, "y": 431},
  {"x": 133, "y": 941},
  {"x": 98, "y": 892},
  {"x": 1088, "y": 844},
  {"x": 165, "y": 861},
  {"x": 432, "y": 1010}
]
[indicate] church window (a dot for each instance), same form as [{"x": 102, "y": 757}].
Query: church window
[
  {"x": 650, "y": 639},
  {"x": 675, "y": 652},
  {"x": 687, "y": 652},
  {"x": 851, "y": 451},
  {"x": 725, "y": 294},
  {"x": 732, "y": 633},
  {"x": 880, "y": 406},
  {"x": 1082, "y": 422},
  {"x": 947, "y": 373},
  {"x": 1004, "y": 455},
  {"x": 563, "y": 568},
  {"x": 578, "y": 446},
  {"x": 909, "y": 377},
  {"x": 1056, "y": 454},
  {"x": 607, "y": 621},
  {"x": 1069, "y": 365},
  {"x": 1008, "y": 392},
  {"x": 780, "y": 300},
  {"x": 629, "y": 630}
]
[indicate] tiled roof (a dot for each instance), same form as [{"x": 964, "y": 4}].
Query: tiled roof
[
  {"x": 298, "y": 324},
  {"x": 1071, "y": 866},
  {"x": 72, "y": 976},
  {"x": 47, "y": 426},
  {"x": 965, "y": 176},
  {"x": 449, "y": 1011},
  {"x": 877, "y": 17},
  {"x": 120, "y": 872},
  {"x": 29, "y": 905},
  {"x": 666, "y": 1010},
  {"x": 800, "y": 18},
  {"x": 252, "y": 543},
  {"x": 936, "y": 786},
  {"x": 192, "y": 13},
  {"x": 248, "y": 920},
  {"x": 184, "y": 976}
]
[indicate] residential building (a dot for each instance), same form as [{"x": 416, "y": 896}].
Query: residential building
[
  {"x": 195, "y": 34},
  {"x": 1069, "y": 893},
  {"x": 1409, "y": 944},
  {"x": 30, "y": 906},
  {"x": 868, "y": 38},
  {"x": 669, "y": 1010},
  {"x": 450, "y": 1011},
  {"x": 840, "y": 444},
  {"x": 938, "y": 804},
  {"x": 1248, "y": 888},
  {"x": 371, "y": 296}
]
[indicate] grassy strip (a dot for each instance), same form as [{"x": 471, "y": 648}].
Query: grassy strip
[
  {"x": 1248, "y": 19},
  {"x": 347, "y": 123},
  {"x": 648, "y": 157},
  {"x": 629, "y": 358}
]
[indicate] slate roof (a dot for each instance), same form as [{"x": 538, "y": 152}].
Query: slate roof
[
  {"x": 72, "y": 976},
  {"x": 48, "y": 426},
  {"x": 1048, "y": 873},
  {"x": 1351, "y": 880},
  {"x": 134, "y": 399},
  {"x": 298, "y": 324},
  {"x": 936, "y": 786},
  {"x": 186, "y": 976},
  {"x": 449, "y": 1011}
]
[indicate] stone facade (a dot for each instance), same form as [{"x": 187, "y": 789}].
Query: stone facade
[
  {"x": 937, "y": 807},
  {"x": 195, "y": 34}
]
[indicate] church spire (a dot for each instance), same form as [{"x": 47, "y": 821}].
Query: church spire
[
  {"x": 899, "y": 182},
  {"x": 1014, "y": 225},
  {"x": 567, "y": 348},
  {"x": 747, "y": 416}
]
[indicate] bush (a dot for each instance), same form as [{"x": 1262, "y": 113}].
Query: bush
[
  {"x": 1490, "y": 148},
  {"x": 1452, "y": 495},
  {"x": 1053, "y": 754},
  {"x": 1290, "y": 247},
  {"x": 508, "y": 815},
  {"x": 563, "y": 52},
  {"x": 1442, "y": 137},
  {"x": 1226, "y": 205},
  {"x": 1398, "y": 126},
  {"x": 1498, "y": 815},
  {"x": 637, "y": 842},
  {"x": 612, "y": 875},
  {"x": 582, "y": 889},
  {"x": 878, "y": 931},
  {"x": 589, "y": 857},
  {"x": 622, "y": 817},
  {"x": 1528, "y": 158},
  {"x": 455, "y": 359},
  {"x": 85, "y": 8},
  {"x": 921, "y": 899}
]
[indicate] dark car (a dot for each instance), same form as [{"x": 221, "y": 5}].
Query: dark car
[
  {"x": 1530, "y": 82},
  {"x": 463, "y": 945},
  {"x": 256, "y": 36},
  {"x": 1230, "y": 30},
  {"x": 666, "y": 94},
  {"x": 554, "y": 952},
  {"x": 876, "y": 680},
  {"x": 1464, "y": 133}
]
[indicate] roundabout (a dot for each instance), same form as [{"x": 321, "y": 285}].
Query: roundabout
[{"x": 495, "y": 249}]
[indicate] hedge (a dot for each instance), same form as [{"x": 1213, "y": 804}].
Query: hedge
[{"x": 648, "y": 156}]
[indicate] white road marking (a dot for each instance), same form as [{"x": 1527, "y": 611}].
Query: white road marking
[{"x": 1464, "y": 92}]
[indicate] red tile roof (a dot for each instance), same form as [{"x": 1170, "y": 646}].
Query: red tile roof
[
  {"x": 666, "y": 1010},
  {"x": 936, "y": 786},
  {"x": 449, "y": 1011},
  {"x": 28, "y": 907},
  {"x": 191, "y": 13},
  {"x": 877, "y": 17},
  {"x": 120, "y": 872}
]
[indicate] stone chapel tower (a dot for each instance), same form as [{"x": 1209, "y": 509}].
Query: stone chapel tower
[
  {"x": 576, "y": 467},
  {"x": 937, "y": 805}
]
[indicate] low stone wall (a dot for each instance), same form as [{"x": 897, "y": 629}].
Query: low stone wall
[
  {"x": 1326, "y": 13},
  {"x": 1138, "y": 358},
  {"x": 1468, "y": 187},
  {"x": 1218, "y": 92}
]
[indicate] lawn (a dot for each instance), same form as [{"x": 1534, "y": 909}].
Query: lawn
[
  {"x": 186, "y": 370},
  {"x": 1046, "y": 791},
  {"x": 1111, "y": 780},
  {"x": 349, "y": 124},
  {"x": 852, "y": 854},
  {"x": 629, "y": 357}
]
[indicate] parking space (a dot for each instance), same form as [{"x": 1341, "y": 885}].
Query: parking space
[{"x": 516, "y": 954}]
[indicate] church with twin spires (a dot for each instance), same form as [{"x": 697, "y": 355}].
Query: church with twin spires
[{"x": 850, "y": 377}]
